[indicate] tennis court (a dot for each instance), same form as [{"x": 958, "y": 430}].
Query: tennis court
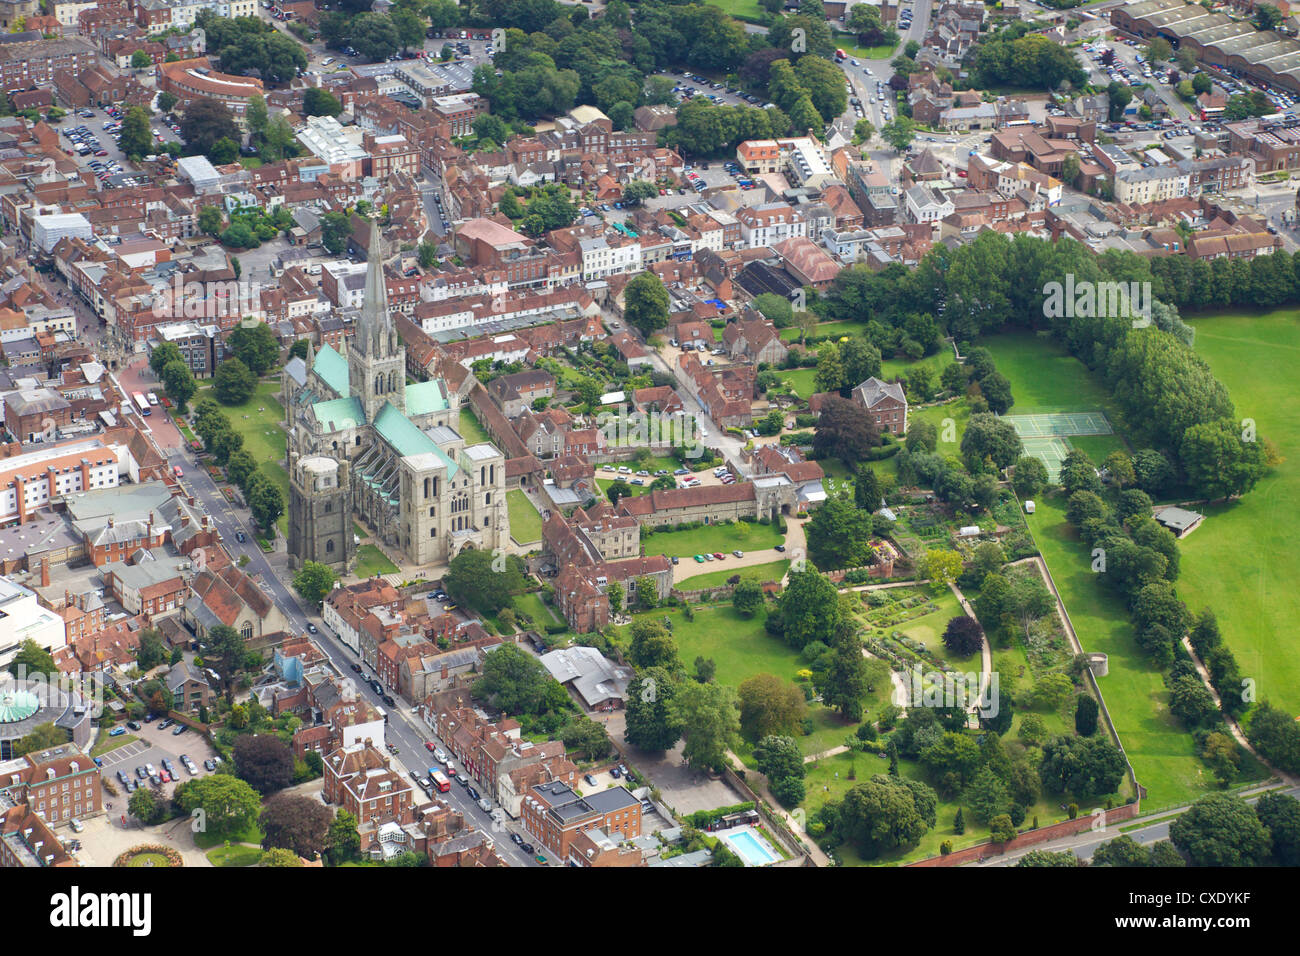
[
  {"x": 1051, "y": 451},
  {"x": 1059, "y": 424}
]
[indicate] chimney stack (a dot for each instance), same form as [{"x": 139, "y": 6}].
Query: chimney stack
[{"x": 45, "y": 572}]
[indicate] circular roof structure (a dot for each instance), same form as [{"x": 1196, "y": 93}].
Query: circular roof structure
[{"x": 17, "y": 705}]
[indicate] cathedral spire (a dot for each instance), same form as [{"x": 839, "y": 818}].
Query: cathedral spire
[{"x": 375, "y": 323}]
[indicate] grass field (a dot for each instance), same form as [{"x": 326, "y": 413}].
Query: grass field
[
  {"x": 237, "y": 855},
  {"x": 1046, "y": 378},
  {"x": 802, "y": 381},
  {"x": 525, "y": 522},
  {"x": 774, "y": 571},
  {"x": 1242, "y": 561},
  {"x": 207, "y": 840},
  {"x": 740, "y": 8},
  {"x": 470, "y": 429},
  {"x": 743, "y": 535},
  {"x": 533, "y": 606},
  {"x": 791, "y": 333},
  {"x": 261, "y": 421},
  {"x": 1161, "y": 752},
  {"x": 372, "y": 561},
  {"x": 105, "y": 743}
]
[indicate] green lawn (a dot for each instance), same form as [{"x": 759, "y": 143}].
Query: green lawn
[
  {"x": 741, "y": 648},
  {"x": 892, "y": 368},
  {"x": 1242, "y": 561},
  {"x": 470, "y": 429},
  {"x": 237, "y": 855},
  {"x": 742, "y": 535},
  {"x": 105, "y": 743},
  {"x": 791, "y": 333},
  {"x": 208, "y": 840},
  {"x": 525, "y": 522},
  {"x": 261, "y": 421},
  {"x": 532, "y": 604},
  {"x": 773, "y": 571},
  {"x": 741, "y": 8},
  {"x": 1162, "y": 753},
  {"x": 802, "y": 381},
  {"x": 372, "y": 561}
]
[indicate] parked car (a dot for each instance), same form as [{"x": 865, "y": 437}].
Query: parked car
[
  {"x": 117, "y": 732},
  {"x": 180, "y": 729},
  {"x": 209, "y": 765}
]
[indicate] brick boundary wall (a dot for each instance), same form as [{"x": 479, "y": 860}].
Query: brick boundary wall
[{"x": 983, "y": 851}]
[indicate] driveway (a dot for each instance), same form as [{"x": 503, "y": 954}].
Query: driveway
[{"x": 682, "y": 788}]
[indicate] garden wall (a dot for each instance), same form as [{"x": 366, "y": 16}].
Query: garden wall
[{"x": 1021, "y": 841}]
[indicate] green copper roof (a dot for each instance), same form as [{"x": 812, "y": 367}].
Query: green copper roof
[
  {"x": 18, "y": 705},
  {"x": 406, "y": 438},
  {"x": 333, "y": 369},
  {"x": 425, "y": 397},
  {"x": 339, "y": 413}
]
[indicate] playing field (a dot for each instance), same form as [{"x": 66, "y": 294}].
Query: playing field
[
  {"x": 1242, "y": 560},
  {"x": 1050, "y": 451}
]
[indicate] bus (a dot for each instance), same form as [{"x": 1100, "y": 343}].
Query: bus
[
  {"x": 440, "y": 781},
  {"x": 142, "y": 403}
]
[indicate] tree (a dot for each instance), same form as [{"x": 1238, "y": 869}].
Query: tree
[
  {"x": 963, "y": 636},
  {"x": 374, "y": 36},
  {"x": 899, "y": 132},
  {"x": 1082, "y": 766},
  {"x": 747, "y": 597},
  {"x": 1280, "y": 813},
  {"x": 224, "y": 651},
  {"x": 990, "y": 438},
  {"x": 296, "y": 823},
  {"x": 1221, "y": 830},
  {"x": 839, "y": 534},
  {"x": 207, "y": 120},
  {"x": 149, "y": 805},
  {"x": 1049, "y": 858},
  {"x": 240, "y": 467},
  {"x": 166, "y": 100},
  {"x": 863, "y": 129},
  {"x": 645, "y": 303},
  {"x": 884, "y": 813},
  {"x": 233, "y": 383},
  {"x": 652, "y": 646},
  {"x": 136, "y": 135},
  {"x": 513, "y": 681},
  {"x": 585, "y": 738},
  {"x": 844, "y": 431},
  {"x": 652, "y": 723},
  {"x": 314, "y": 581},
  {"x": 255, "y": 346},
  {"x": 1085, "y": 716},
  {"x": 280, "y": 857},
  {"x": 264, "y": 761},
  {"x": 1220, "y": 463},
  {"x": 848, "y": 678},
  {"x": 1274, "y": 734},
  {"x": 1191, "y": 703},
  {"x": 618, "y": 489},
  {"x": 769, "y": 706},
  {"x": 343, "y": 841},
  {"x": 951, "y": 761},
  {"x": 210, "y": 220},
  {"x": 868, "y": 489},
  {"x": 163, "y": 354},
  {"x": 265, "y": 501},
  {"x": 30, "y": 659},
  {"x": 940, "y": 566},
  {"x": 478, "y": 580},
  {"x": 1030, "y": 476},
  {"x": 410, "y": 27},
  {"x": 810, "y": 609},
  {"x": 335, "y": 229},
  {"x": 41, "y": 737},
  {"x": 179, "y": 383},
  {"x": 150, "y": 653},
  {"x": 987, "y": 796},
  {"x": 778, "y": 756},
  {"x": 710, "y": 722},
  {"x": 1266, "y": 17},
  {"x": 637, "y": 191},
  {"x": 830, "y": 375},
  {"x": 229, "y": 804}
]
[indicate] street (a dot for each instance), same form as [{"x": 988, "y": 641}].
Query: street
[{"x": 405, "y": 730}]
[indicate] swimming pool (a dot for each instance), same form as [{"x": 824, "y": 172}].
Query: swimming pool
[{"x": 752, "y": 848}]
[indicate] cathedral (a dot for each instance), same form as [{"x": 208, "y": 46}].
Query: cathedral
[{"x": 364, "y": 442}]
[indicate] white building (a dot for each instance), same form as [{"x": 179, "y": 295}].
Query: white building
[
  {"x": 23, "y": 618},
  {"x": 330, "y": 142},
  {"x": 49, "y": 228}
]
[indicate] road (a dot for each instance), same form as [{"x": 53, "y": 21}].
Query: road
[{"x": 405, "y": 730}]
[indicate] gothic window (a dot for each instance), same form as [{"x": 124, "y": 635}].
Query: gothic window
[
  {"x": 329, "y": 546},
  {"x": 329, "y": 507},
  {"x": 379, "y": 385},
  {"x": 246, "y": 632}
]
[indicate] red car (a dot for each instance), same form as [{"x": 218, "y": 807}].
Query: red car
[
  {"x": 717, "y": 555},
  {"x": 428, "y": 745}
]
